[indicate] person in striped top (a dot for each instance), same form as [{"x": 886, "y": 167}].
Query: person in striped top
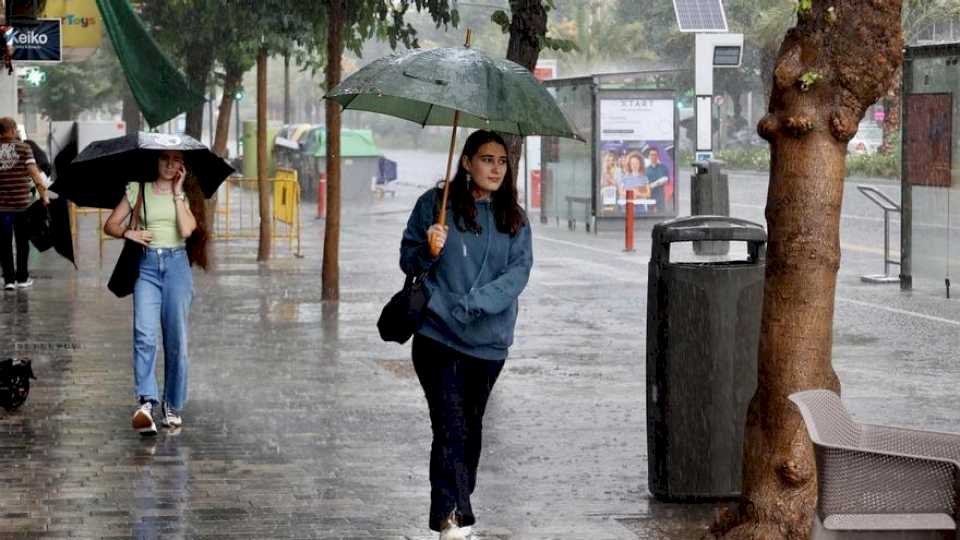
[{"x": 17, "y": 169}]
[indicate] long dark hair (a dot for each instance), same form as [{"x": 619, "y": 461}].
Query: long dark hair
[
  {"x": 508, "y": 215},
  {"x": 197, "y": 243}
]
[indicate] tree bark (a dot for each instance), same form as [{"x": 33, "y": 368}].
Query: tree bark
[
  {"x": 808, "y": 127},
  {"x": 331, "y": 238},
  {"x": 891, "y": 109},
  {"x": 263, "y": 183},
  {"x": 131, "y": 111},
  {"x": 527, "y": 26},
  {"x": 232, "y": 80}
]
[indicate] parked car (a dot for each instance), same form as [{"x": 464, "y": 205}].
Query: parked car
[{"x": 868, "y": 140}]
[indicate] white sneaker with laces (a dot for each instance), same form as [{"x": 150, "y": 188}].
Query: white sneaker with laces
[
  {"x": 25, "y": 284},
  {"x": 143, "y": 420},
  {"x": 170, "y": 417}
]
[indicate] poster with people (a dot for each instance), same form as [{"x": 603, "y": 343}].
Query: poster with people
[{"x": 636, "y": 154}]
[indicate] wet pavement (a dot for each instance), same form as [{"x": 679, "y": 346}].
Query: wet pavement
[{"x": 301, "y": 423}]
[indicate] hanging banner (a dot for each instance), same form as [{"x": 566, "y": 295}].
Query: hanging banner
[{"x": 37, "y": 43}]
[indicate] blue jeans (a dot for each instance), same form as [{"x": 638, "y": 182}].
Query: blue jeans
[{"x": 161, "y": 300}]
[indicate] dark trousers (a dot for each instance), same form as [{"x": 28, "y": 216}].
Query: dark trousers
[
  {"x": 14, "y": 225},
  {"x": 456, "y": 387}
]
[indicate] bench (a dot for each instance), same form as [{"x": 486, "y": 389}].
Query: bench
[
  {"x": 381, "y": 190},
  {"x": 876, "y": 481}
]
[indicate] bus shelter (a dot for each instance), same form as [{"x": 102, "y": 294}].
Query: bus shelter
[
  {"x": 630, "y": 124},
  {"x": 930, "y": 192}
]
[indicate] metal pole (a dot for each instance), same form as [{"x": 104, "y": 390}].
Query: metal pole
[
  {"x": 237, "y": 129},
  {"x": 628, "y": 223},
  {"x": 886, "y": 242},
  {"x": 906, "y": 193}
]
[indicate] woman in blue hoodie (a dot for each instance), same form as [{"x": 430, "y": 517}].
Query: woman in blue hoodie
[{"x": 474, "y": 284}]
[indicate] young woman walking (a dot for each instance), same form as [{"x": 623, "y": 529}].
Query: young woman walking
[{"x": 474, "y": 284}]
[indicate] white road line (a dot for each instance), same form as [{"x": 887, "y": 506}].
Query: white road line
[
  {"x": 620, "y": 255},
  {"x": 900, "y": 311}
]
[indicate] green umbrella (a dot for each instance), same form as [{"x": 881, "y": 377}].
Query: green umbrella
[{"x": 455, "y": 86}]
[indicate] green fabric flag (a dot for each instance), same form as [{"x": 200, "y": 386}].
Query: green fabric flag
[{"x": 160, "y": 90}]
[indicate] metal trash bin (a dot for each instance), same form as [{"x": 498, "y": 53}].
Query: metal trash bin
[
  {"x": 709, "y": 196},
  {"x": 703, "y": 327}
]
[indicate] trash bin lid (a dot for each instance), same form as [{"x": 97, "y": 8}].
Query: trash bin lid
[{"x": 707, "y": 228}]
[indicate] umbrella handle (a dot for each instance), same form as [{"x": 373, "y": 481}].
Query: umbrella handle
[{"x": 435, "y": 249}]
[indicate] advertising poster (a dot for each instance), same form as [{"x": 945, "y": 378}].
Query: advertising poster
[{"x": 637, "y": 153}]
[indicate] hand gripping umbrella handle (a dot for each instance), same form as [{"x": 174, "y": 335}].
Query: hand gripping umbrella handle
[{"x": 436, "y": 248}]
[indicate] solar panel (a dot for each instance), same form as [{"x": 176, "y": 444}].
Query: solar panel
[{"x": 700, "y": 15}]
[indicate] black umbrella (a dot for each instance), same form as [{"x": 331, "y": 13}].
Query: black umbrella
[
  {"x": 98, "y": 177},
  {"x": 50, "y": 227}
]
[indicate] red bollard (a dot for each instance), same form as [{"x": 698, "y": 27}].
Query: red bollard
[
  {"x": 628, "y": 223},
  {"x": 322, "y": 196}
]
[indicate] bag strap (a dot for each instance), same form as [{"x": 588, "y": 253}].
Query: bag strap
[{"x": 135, "y": 215}]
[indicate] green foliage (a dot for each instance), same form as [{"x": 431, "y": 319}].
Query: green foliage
[
  {"x": 808, "y": 79},
  {"x": 804, "y": 6},
  {"x": 758, "y": 159},
  {"x": 74, "y": 87}
]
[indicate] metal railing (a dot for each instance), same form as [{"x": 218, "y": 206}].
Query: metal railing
[{"x": 888, "y": 206}]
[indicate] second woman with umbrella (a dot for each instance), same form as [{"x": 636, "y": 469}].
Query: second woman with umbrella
[{"x": 172, "y": 212}]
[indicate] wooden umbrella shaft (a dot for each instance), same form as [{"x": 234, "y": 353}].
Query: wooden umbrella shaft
[
  {"x": 446, "y": 181},
  {"x": 436, "y": 248}
]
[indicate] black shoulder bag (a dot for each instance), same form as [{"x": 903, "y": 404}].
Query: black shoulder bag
[
  {"x": 404, "y": 313},
  {"x": 127, "y": 270}
]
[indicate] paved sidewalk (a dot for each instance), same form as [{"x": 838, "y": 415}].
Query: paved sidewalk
[{"x": 301, "y": 423}]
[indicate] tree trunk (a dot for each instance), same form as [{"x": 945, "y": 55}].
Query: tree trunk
[
  {"x": 891, "y": 118},
  {"x": 263, "y": 183},
  {"x": 197, "y": 71},
  {"x": 131, "y": 111},
  {"x": 232, "y": 81},
  {"x": 286, "y": 87},
  {"x": 527, "y": 26},
  {"x": 808, "y": 127},
  {"x": 331, "y": 238}
]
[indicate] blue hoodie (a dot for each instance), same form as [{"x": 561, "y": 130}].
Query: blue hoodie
[{"x": 472, "y": 311}]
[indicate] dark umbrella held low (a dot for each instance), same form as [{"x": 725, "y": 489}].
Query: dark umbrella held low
[
  {"x": 98, "y": 177},
  {"x": 50, "y": 227}
]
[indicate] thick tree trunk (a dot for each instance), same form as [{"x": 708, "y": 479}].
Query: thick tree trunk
[
  {"x": 891, "y": 109},
  {"x": 527, "y": 25},
  {"x": 263, "y": 183},
  {"x": 199, "y": 65},
  {"x": 819, "y": 95},
  {"x": 231, "y": 83},
  {"x": 331, "y": 238},
  {"x": 131, "y": 111}
]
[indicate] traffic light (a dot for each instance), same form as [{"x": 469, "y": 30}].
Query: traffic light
[{"x": 238, "y": 94}]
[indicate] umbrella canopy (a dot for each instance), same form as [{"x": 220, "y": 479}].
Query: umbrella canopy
[
  {"x": 99, "y": 175},
  {"x": 428, "y": 86}
]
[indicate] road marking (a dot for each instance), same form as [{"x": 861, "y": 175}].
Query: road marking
[
  {"x": 620, "y": 255},
  {"x": 900, "y": 311}
]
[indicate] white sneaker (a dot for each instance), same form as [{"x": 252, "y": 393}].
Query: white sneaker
[
  {"x": 25, "y": 284},
  {"x": 143, "y": 420},
  {"x": 169, "y": 417},
  {"x": 467, "y": 531},
  {"x": 451, "y": 531},
  {"x": 9, "y": 286}
]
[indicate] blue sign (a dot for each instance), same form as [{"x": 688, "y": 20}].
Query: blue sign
[{"x": 40, "y": 42}]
